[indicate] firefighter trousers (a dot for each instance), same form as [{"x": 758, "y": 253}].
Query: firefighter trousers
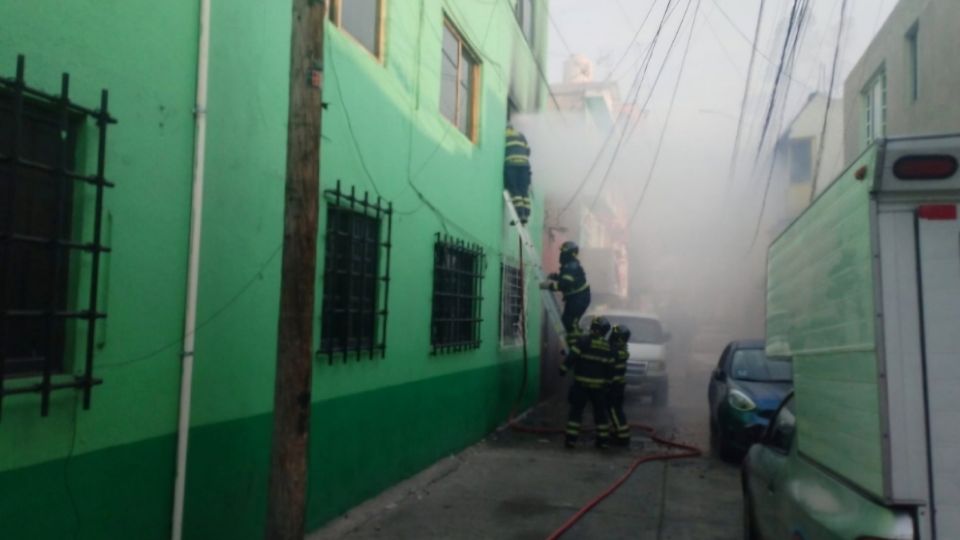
[
  {"x": 574, "y": 306},
  {"x": 619, "y": 428},
  {"x": 516, "y": 179},
  {"x": 578, "y": 398}
]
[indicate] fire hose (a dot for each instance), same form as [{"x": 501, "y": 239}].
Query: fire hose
[{"x": 687, "y": 451}]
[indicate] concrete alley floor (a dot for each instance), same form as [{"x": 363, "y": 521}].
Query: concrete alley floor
[{"x": 520, "y": 486}]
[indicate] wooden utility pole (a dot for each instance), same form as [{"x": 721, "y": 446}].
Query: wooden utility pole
[{"x": 287, "y": 492}]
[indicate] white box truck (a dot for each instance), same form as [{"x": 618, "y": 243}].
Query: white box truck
[{"x": 863, "y": 292}]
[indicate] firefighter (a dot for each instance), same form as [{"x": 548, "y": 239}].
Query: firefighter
[
  {"x": 572, "y": 282},
  {"x": 516, "y": 172},
  {"x": 619, "y": 350},
  {"x": 591, "y": 363}
]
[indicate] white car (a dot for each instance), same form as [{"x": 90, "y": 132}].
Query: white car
[{"x": 647, "y": 366}]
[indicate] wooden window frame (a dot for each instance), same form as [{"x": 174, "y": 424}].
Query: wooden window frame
[
  {"x": 335, "y": 13},
  {"x": 473, "y": 118}
]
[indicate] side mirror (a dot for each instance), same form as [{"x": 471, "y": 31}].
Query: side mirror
[
  {"x": 667, "y": 337},
  {"x": 719, "y": 375}
]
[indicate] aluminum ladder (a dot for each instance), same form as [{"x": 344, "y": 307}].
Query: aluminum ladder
[{"x": 549, "y": 299}]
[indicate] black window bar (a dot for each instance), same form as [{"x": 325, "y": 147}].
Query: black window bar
[
  {"x": 37, "y": 178},
  {"x": 457, "y": 295},
  {"x": 511, "y": 307},
  {"x": 356, "y": 276}
]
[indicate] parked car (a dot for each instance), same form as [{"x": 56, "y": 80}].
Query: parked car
[
  {"x": 647, "y": 365},
  {"x": 785, "y": 495},
  {"x": 745, "y": 390}
]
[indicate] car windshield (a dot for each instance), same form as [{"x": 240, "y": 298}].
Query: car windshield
[
  {"x": 642, "y": 329},
  {"x": 754, "y": 365}
]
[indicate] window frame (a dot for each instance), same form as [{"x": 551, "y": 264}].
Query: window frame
[
  {"x": 346, "y": 347},
  {"x": 869, "y": 96},
  {"x": 445, "y": 245},
  {"x": 913, "y": 61},
  {"x": 75, "y": 366},
  {"x": 472, "y": 130},
  {"x": 509, "y": 292},
  {"x": 335, "y": 14}
]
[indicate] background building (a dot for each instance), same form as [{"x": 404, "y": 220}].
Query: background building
[
  {"x": 909, "y": 72},
  {"x": 417, "y": 289}
]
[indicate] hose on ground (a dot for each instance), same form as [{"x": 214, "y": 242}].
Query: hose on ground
[{"x": 686, "y": 451}]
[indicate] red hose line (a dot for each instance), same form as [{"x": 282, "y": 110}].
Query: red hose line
[{"x": 688, "y": 451}]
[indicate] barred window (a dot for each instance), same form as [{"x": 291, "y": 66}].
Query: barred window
[
  {"x": 356, "y": 279},
  {"x": 457, "y": 295},
  {"x": 511, "y": 305},
  {"x": 50, "y": 245}
]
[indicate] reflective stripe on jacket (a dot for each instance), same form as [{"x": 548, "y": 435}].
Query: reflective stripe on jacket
[
  {"x": 518, "y": 151},
  {"x": 591, "y": 361}
]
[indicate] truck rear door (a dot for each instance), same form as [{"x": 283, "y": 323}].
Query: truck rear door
[{"x": 938, "y": 250}]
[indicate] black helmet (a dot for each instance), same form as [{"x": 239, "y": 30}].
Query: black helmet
[
  {"x": 620, "y": 333},
  {"x": 600, "y": 325},
  {"x": 570, "y": 247}
]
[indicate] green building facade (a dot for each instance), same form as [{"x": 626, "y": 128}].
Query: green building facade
[{"x": 408, "y": 369}]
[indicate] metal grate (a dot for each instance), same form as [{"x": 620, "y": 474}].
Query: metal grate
[
  {"x": 457, "y": 295},
  {"x": 40, "y": 248},
  {"x": 356, "y": 263},
  {"x": 511, "y": 305}
]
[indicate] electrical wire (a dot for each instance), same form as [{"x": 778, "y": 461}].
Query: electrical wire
[
  {"x": 826, "y": 112},
  {"x": 634, "y": 90},
  {"x": 743, "y": 102},
  {"x": 663, "y": 131},
  {"x": 779, "y": 73},
  {"x": 753, "y": 43},
  {"x": 626, "y": 134},
  {"x": 799, "y": 28},
  {"x": 633, "y": 41}
]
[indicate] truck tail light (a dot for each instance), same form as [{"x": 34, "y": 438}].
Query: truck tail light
[
  {"x": 938, "y": 212},
  {"x": 933, "y": 167}
]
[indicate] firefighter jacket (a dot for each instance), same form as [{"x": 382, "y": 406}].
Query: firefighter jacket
[
  {"x": 518, "y": 152},
  {"x": 572, "y": 279},
  {"x": 591, "y": 362},
  {"x": 620, "y": 354}
]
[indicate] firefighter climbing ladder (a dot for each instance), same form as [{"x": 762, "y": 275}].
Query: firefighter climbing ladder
[{"x": 550, "y": 303}]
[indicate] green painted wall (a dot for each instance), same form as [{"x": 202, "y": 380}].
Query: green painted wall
[
  {"x": 109, "y": 470},
  {"x": 119, "y": 475},
  {"x": 820, "y": 310}
]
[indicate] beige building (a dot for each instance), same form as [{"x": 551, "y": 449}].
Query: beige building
[
  {"x": 908, "y": 81},
  {"x": 798, "y": 149}
]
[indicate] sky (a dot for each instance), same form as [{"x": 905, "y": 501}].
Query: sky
[{"x": 696, "y": 228}]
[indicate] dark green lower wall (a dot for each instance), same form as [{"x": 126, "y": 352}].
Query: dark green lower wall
[
  {"x": 122, "y": 492},
  {"x": 360, "y": 445}
]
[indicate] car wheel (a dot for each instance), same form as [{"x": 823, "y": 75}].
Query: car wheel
[
  {"x": 749, "y": 529},
  {"x": 721, "y": 446}
]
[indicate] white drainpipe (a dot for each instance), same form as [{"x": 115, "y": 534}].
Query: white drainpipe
[{"x": 193, "y": 270}]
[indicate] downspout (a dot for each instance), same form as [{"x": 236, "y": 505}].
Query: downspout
[{"x": 193, "y": 270}]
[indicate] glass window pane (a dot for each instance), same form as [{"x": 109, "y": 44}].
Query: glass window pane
[
  {"x": 448, "y": 75},
  {"x": 466, "y": 94},
  {"x": 360, "y": 19}
]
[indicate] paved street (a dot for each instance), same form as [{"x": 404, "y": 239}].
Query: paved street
[{"x": 521, "y": 486}]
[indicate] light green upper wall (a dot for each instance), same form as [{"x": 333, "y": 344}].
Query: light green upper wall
[
  {"x": 144, "y": 53},
  {"x": 820, "y": 310}
]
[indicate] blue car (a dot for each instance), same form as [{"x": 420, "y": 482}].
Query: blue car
[{"x": 745, "y": 391}]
